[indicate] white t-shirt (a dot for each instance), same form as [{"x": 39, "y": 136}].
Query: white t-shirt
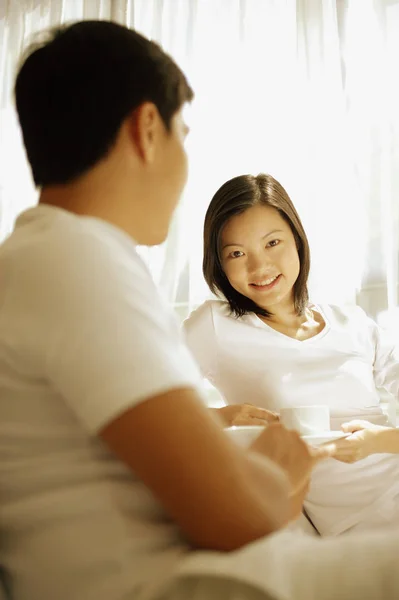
[
  {"x": 248, "y": 361},
  {"x": 84, "y": 336}
]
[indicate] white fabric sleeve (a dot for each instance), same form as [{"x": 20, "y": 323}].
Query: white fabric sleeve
[
  {"x": 201, "y": 339},
  {"x": 110, "y": 340},
  {"x": 386, "y": 362}
]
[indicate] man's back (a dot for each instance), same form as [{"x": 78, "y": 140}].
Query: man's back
[{"x": 69, "y": 508}]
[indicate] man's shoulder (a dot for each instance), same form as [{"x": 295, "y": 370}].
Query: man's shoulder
[
  {"x": 71, "y": 259},
  {"x": 45, "y": 241}
]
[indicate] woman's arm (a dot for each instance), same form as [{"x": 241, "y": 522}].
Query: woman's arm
[
  {"x": 366, "y": 439},
  {"x": 244, "y": 414},
  {"x": 387, "y": 441},
  {"x": 386, "y": 361},
  {"x": 201, "y": 339}
]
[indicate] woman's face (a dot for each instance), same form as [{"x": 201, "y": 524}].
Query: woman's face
[{"x": 259, "y": 256}]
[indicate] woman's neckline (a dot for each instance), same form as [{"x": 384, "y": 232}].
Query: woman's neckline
[{"x": 321, "y": 333}]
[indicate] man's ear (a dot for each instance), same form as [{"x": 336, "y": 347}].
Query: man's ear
[{"x": 145, "y": 130}]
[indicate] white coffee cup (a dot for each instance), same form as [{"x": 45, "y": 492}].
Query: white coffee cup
[{"x": 306, "y": 420}]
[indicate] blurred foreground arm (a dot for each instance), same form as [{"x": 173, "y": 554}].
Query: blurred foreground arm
[{"x": 219, "y": 494}]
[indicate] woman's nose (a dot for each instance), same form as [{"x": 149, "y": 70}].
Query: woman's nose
[{"x": 258, "y": 264}]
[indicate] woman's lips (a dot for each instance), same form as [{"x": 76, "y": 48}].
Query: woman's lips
[{"x": 265, "y": 287}]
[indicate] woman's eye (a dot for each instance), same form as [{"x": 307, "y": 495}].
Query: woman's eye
[
  {"x": 273, "y": 243},
  {"x": 236, "y": 254}
]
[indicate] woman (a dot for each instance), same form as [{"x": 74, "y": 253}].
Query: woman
[{"x": 267, "y": 344}]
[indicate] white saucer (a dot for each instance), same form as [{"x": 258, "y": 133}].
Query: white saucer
[{"x": 324, "y": 437}]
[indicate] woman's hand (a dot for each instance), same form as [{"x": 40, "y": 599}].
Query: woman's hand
[
  {"x": 287, "y": 449},
  {"x": 362, "y": 442},
  {"x": 246, "y": 414}
]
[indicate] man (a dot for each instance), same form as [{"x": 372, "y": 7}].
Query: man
[{"x": 112, "y": 471}]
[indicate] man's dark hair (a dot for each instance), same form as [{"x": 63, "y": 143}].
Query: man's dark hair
[
  {"x": 233, "y": 198},
  {"x": 76, "y": 87}
]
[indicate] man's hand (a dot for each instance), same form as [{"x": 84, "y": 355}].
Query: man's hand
[
  {"x": 360, "y": 444},
  {"x": 288, "y": 450},
  {"x": 246, "y": 414}
]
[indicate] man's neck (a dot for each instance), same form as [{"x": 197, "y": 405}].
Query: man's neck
[{"x": 102, "y": 202}]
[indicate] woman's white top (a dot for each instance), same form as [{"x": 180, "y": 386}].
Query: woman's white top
[{"x": 342, "y": 367}]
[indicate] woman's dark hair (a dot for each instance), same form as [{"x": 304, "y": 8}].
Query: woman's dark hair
[
  {"x": 233, "y": 198},
  {"x": 77, "y": 86}
]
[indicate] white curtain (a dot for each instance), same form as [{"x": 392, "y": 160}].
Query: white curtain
[{"x": 303, "y": 89}]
